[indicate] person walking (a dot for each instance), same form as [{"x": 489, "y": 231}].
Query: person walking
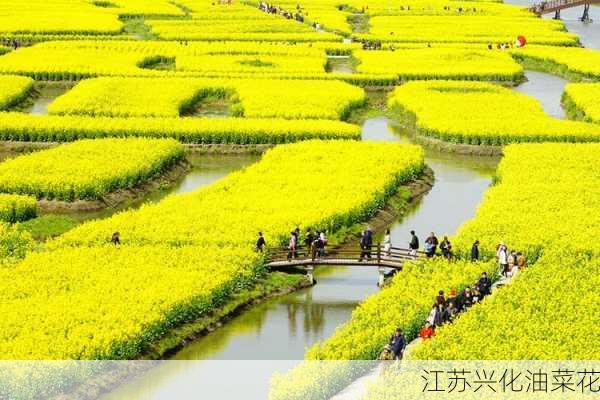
[
  {"x": 398, "y": 344},
  {"x": 475, "y": 251},
  {"x": 446, "y": 248},
  {"x": 321, "y": 242},
  {"x": 292, "y": 244},
  {"x": 361, "y": 244},
  {"x": 431, "y": 318},
  {"x": 387, "y": 243},
  {"x": 366, "y": 241},
  {"x": 317, "y": 245},
  {"x": 431, "y": 245},
  {"x": 439, "y": 315},
  {"x": 116, "y": 238},
  {"x": 323, "y": 239},
  {"x": 260, "y": 242},
  {"x": 502, "y": 257},
  {"x": 308, "y": 240},
  {"x": 414, "y": 244},
  {"x": 452, "y": 296}
]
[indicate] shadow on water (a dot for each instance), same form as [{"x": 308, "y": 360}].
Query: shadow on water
[{"x": 282, "y": 328}]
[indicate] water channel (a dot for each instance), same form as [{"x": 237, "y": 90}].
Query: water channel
[{"x": 282, "y": 328}]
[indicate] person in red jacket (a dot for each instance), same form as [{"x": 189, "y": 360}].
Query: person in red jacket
[{"x": 427, "y": 332}]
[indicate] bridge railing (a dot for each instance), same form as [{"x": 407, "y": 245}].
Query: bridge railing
[
  {"x": 375, "y": 253},
  {"x": 552, "y": 5}
]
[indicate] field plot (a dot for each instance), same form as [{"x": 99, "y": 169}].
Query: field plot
[
  {"x": 582, "y": 101},
  {"x": 574, "y": 63},
  {"x": 13, "y": 89},
  {"x": 268, "y": 28},
  {"x": 172, "y": 243},
  {"x": 440, "y": 63},
  {"x": 466, "y": 29},
  {"x": 171, "y": 97},
  {"x": 447, "y": 8},
  {"x": 38, "y": 17},
  {"x": 449, "y": 114},
  {"x": 15, "y": 208},
  {"x": 79, "y": 59},
  {"x": 140, "y": 8},
  {"x": 88, "y": 169}
]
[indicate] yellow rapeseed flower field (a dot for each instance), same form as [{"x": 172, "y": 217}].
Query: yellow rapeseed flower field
[
  {"x": 77, "y": 59},
  {"x": 483, "y": 114},
  {"x": 14, "y": 207},
  {"x": 461, "y": 28},
  {"x": 13, "y": 89},
  {"x": 88, "y": 169},
  {"x": 520, "y": 210},
  {"x": 582, "y": 101},
  {"x": 546, "y": 202},
  {"x": 56, "y": 17},
  {"x": 441, "y": 63},
  {"x": 170, "y": 97},
  {"x": 25, "y": 127}
]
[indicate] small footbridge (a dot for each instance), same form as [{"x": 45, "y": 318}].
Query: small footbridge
[
  {"x": 377, "y": 257},
  {"x": 555, "y": 6}
]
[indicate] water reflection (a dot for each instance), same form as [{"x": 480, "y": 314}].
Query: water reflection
[
  {"x": 282, "y": 328},
  {"x": 46, "y": 93}
]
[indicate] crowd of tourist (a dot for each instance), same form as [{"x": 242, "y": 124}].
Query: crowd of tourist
[
  {"x": 447, "y": 307},
  {"x": 277, "y": 10},
  {"x": 13, "y": 43}
]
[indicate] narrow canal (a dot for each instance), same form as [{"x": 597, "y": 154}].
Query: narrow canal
[{"x": 547, "y": 89}]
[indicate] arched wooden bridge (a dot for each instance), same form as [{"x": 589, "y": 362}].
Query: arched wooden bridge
[
  {"x": 377, "y": 256},
  {"x": 555, "y": 6}
]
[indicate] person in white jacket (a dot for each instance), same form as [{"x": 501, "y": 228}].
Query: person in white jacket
[
  {"x": 502, "y": 256},
  {"x": 387, "y": 243}
]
